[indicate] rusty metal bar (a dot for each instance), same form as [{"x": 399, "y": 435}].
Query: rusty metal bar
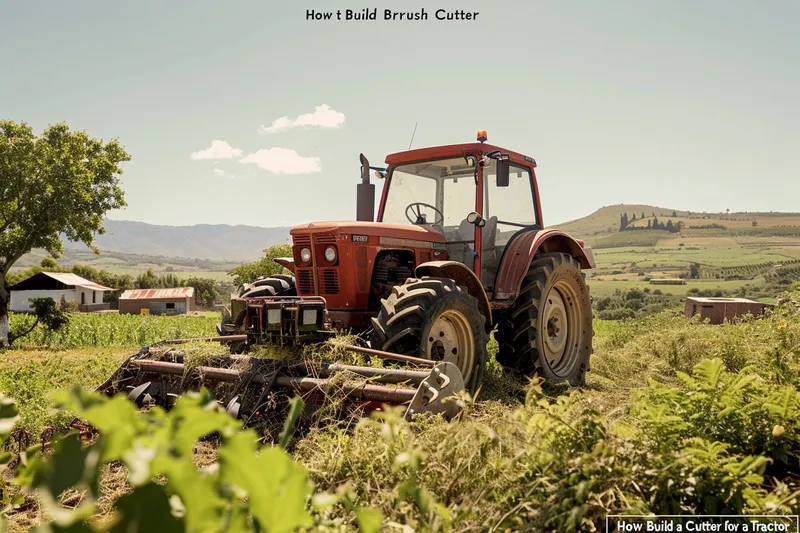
[
  {"x": 391, "y": 356},
  {"x": 226, "y": 338},
  {"x": 386, "y": 375},
  {"x": 304, "y": 384}
]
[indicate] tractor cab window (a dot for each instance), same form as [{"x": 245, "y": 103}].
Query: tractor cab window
[
  {"x": 439, "y": 192},
  {"x": 506, "y": 210}
]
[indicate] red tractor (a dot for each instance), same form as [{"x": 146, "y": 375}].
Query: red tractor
[{"x": 459, "y": 247}]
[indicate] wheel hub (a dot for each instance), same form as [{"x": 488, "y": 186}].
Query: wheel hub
[
  {"x": 557, "y": 327},
  {"x": 450, "y": 339}
]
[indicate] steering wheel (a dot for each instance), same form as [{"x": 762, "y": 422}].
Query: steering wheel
[{"x": 418, "y": 212}]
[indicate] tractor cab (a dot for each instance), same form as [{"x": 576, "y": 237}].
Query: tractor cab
[{"x": 476, "y": 195}]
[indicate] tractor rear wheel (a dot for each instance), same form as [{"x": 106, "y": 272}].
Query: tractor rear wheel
[
  {"x": 437, "y": 319},
  {"x": 549, "y": 329}
]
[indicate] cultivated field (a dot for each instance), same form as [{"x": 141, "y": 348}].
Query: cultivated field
[
  {"x": 629, "y": 259},
  {"x": 520, "y": 458}
]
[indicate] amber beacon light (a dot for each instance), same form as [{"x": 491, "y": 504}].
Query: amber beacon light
[{"x": 482, "y": 136}]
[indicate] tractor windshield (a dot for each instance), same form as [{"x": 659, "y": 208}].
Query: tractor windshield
[{"x": 439, "y": 192}]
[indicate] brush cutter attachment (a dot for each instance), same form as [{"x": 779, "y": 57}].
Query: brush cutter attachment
[{"x": 242, "y": 384}]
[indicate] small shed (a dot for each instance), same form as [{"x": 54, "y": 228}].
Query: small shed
[
  {"x": 717, "y": 310},
  {"x": 58, "y": 285},
  {"x": 176, "y": 301}
]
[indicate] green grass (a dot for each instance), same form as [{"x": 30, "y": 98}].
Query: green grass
[
  {"x": 521, "y": 458},
  {"x": 606, "y": 288},
  {"x": 628, "y": 239}
]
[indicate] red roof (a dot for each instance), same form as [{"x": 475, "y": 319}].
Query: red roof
[{"x": 158, "y": 294}]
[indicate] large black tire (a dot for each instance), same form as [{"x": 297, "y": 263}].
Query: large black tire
[
  {"x": 434, "y": 318},
  {"x": 275, "y": 285},
  {"x": 531, "y": 335}
]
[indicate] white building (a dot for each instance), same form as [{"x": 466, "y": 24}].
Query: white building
[{"x": 57, "y": 285}]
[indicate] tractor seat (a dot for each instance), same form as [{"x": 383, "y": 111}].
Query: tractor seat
[
  {"x": 491, "y": 253},
  {"x": 461, "y": 251}
]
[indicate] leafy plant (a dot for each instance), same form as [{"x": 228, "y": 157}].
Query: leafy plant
[{"x": 246, "y": 490}]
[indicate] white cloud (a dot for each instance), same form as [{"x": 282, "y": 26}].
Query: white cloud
[
  {"x": 217, "y": 150},
  {"x": 322, "y": 117},
  {"x": 283, "y": 161},
  {"x": 222, "y": 174}
]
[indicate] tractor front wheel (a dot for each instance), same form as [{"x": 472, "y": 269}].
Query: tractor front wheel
[
  {"x": 436, "y": 319},
  {"x": 549, "y": 329}
]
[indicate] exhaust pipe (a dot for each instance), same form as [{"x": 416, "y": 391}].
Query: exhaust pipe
[{"x": 365, "y": 195}]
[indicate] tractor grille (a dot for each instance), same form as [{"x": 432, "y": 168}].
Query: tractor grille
[
  {"x": 362, "y": 269},
  {"x": 302, "y": 240},
  {"x": 305, "y": 281},
  {"x": 329, "y": 281},
  {"x": 325, "y": 239}
]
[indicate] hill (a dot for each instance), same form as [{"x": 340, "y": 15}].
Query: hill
[
  {"x": 605, "y": 220},
  {"x": 203, "y": 241}
]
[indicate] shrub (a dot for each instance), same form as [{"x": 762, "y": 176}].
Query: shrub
[{"x": 616, "y": 314}]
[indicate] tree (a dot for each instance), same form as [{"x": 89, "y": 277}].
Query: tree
[
  {"x": 669, "y": 226},
  {"x": 147, "y": 280},
  {"x": 46, "y": 312},
  {"x": 643, "y": 215},
  {"x": 674, "y": 214},
  {"x": 48, "y": 263},
  {"x": 60, "y": 182},
  {"x": 694, "y": 271},
  {"x": 205, "y": 291},
  {"x": 649, "y": 224},
  {"x": 623, "y": 222},
  {"x": 265, "y": 266}
]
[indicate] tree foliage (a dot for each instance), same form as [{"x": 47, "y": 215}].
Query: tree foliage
[
  {"x": 46, "y": 313},
  {"x": 265, "y": 266},
  {"x": 60, "y": 182}
]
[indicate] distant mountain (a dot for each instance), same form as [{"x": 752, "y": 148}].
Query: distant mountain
[{"x": 203, "y": 241}]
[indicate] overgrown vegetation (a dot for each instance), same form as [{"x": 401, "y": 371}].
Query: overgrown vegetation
[
  {"x": 677, "y": 417},
  {"x": 634, "y": 303}
]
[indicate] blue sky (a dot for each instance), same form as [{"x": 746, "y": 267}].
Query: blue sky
[{"x": 688, "y": 105}]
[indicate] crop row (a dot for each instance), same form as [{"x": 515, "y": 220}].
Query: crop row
[
  {"x": 744, "y": 270},
  {"x": 105, "y": 329}
]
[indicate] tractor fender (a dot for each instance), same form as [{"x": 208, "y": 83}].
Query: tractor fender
[
  {"x": 462, "y": 275},
  {"x": 520, "y": 252}
]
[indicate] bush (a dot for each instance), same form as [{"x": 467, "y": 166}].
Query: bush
[{"x": 616, "y": 314}]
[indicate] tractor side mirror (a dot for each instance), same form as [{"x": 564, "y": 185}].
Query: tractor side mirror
[
  {"x": 475, "y": 218},
  {"x": 503, "y": 172}
]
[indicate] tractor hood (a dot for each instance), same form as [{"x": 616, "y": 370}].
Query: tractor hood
[{"x": 349, "y": 227}]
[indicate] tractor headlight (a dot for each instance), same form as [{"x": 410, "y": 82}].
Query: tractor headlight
[
  {"x": 305, "y": 255},
  {"x": 330, "y": 254}
]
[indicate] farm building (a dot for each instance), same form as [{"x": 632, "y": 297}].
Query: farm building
[
  {"x": 58, "y": 285},
  {"x": 717, "y": 310},
  {"x": 157, "y": 301}
]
